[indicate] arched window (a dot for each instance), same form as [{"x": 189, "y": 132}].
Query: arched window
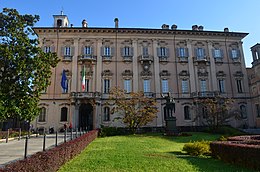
[
  {"x": 59, "y": 22},
  {"x": 64, "y": 114},
  {"x": 42, "y": 116},
  {"x": 187, "y": 115},
  {"x": 243, "y": 111},
  {"x": 106, "y": 114}
]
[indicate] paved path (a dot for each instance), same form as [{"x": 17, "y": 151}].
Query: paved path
[{"x": 15, "y": 149}]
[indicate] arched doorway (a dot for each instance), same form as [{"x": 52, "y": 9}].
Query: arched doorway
[{"x": 86, "y": 116}]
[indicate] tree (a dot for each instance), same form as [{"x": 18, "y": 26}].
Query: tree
[
  {"x": 215, "y": 111},
  {"x": 136, "y": 108},
  {"x": 24, "y": 68}
]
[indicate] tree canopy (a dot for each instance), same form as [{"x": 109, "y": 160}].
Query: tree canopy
[
  {"x": 216, "y": 111},
  {"x": 136, "y": 108},
  {"x": 24, "y": 68}
]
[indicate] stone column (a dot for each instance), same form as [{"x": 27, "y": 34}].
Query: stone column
[
  {"x": 156, "y": 69},
  {"x": 191, "y": 68},
  {"x": 99, "y": 66},
  {"x": 74, "y": 66},
  {"x": 135, "y": 66},
  {"x": 213, "y": 77}
]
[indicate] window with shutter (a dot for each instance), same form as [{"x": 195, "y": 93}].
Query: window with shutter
[{"x": 200, "y": 52}]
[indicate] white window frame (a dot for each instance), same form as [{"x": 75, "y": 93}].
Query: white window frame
[
  {"x": 107, "y": 51},
  {"x": 203, "y": 86},
  {"x": 217, "y": 53},
  {"x": 200, "y": 53},
  {"x": 47, "y": 49},
  {"x": 127, "y": 85},
  {"x": 234, "y": 54},
  {"x": 165, "y": 86},
  {"x": 87, "y": 50},
  {"x": 106, "y": 86},
  {"x": 184, "y": 86},
  {"x": 147, "y": 85},
  {"x": 67, "y": 51}
]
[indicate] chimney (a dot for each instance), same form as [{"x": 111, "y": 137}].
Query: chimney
[
  {"x": 116, "y": 22},
  {"x": 200, "y": 28},
  {"x": 84, "y": 23},
  {"x": 226, "y": 29},
  {"x": 174, "y": 27},
  {"x": 195, "y": 27},
  {"x": 165, "y": 26}
]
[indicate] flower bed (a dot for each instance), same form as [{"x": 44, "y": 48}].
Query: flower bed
[
  {"x": 240, "y": 152},
  {"x": 52, "y": 159}
]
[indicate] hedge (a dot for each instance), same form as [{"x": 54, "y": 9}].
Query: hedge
[
  {"x": 52, "y": 159},
  {"x": 243, "y": 153}
]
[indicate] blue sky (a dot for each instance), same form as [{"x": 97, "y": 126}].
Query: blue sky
[{"x": 237, "y": 15}]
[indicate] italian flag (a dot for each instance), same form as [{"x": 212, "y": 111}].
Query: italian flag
[{"x": 83, "y": 78}]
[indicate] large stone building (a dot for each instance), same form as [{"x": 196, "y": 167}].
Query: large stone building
[
  {"x": 254, "y": 84},
  {"x": 190, "y": 64}
]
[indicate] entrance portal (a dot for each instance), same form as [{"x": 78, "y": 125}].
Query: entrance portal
[{"x": 86, "y": 116}]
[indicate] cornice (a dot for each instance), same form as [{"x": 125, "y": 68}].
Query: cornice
[{"x": 40, "y": 30}]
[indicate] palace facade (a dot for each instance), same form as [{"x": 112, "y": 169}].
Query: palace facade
[{"x": 190, "y": 64}]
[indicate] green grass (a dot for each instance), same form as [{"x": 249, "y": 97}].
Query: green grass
[{"x": 150, "y": 152}]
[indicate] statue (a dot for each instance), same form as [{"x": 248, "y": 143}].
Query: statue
[{"x": 169, "y": 107}]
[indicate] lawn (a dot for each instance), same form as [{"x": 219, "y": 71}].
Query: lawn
[{"x": 150, "y": 152}]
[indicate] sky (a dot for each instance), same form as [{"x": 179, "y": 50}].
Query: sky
[{"x": 237, "y": 15}]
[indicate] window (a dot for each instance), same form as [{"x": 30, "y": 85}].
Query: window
[
  {"x": 182, "y": 52},
  {"x": 184, "y": 86},
  {"x": 127, "y": 85},
  {"x": 127, "y": 52},
  {"x": 67, "y": 51},
  {"x": 239, "y": 86},
  {"x": 200, "y": 52},
  {"x": 146, "y": 86},
  {"x": 47, "y": 49},
  {"x": 88, "y": 50},
  {"x": 59, "y": 22},
  {"x": 42, "y": 116},
  {"x": 87, "y": 85},
  {"x": 106, "y": 85},
  {"x": 64, "y": 114},
  {"x": 106, "y": 114},
  {"x": 217, "y": 53},
  {"x": 162, "y": 52},
  {"x": 187, "y": 115},
  {"x": 203, "y": 86},
  {"x": 107, "y": 51},
  {"x": 165, "y": 86},
  {"x": 243, "y": 111},
  {"x": 235, "y": 53},
  {"x": 257, "y": 110},
  {"x": 145, "y": 51},
  {"x": 221, "y": 86}
]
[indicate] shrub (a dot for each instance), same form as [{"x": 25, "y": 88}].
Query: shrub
[
  {"x": 243, "y": 153},
  {"x": 51, "y": 160},
  {"x": 197, "y": 148},
  {"x": 226, "y": 130},
  {"x": 111, "y": 131}
]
